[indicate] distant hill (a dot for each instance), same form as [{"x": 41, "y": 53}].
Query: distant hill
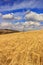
[{"x": 7, "y": 31}]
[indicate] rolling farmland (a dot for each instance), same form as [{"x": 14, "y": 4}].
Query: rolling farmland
[{"x": 22, "y": 48}]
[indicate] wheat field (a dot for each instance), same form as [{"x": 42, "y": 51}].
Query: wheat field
[{"x": 23, "y": 48}]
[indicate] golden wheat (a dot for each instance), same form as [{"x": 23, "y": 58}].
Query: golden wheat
[{"x": 24, "y": 48}]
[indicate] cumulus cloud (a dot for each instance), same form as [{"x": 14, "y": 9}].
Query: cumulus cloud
[
  {"x": 11, "y": 16},
  {"x": 32, "y": 16},
  {"x": 8, "y": 16},
  {"x": 17, "y": 17},
  {"x": 32, "y": 21},
  {"x": 6, "y": 25},
  {"x": 29, "y": 15},
  {"x": 24, "y": 26}
]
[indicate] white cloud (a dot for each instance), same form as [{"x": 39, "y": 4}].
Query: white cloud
[
  {"x": 5, "y": 24},
  {"x": 11, "y": 16},
  {"x": 32, "y": 16},
  {"x": 32, "y": 21},
  {"x": 37, "y": 23},
  {"x": 8, "y": 16},
  {"x": 28, "y": 25},
  {"x": 17, "y": 17}
]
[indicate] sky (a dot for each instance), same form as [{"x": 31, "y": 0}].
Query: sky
[{"x": 22, "y": 15}]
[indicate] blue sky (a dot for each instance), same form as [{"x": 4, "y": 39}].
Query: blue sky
[{"x": 20, "y": 12}]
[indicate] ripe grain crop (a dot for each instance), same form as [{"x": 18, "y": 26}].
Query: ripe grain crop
[{"x": 23, "y": 48}]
